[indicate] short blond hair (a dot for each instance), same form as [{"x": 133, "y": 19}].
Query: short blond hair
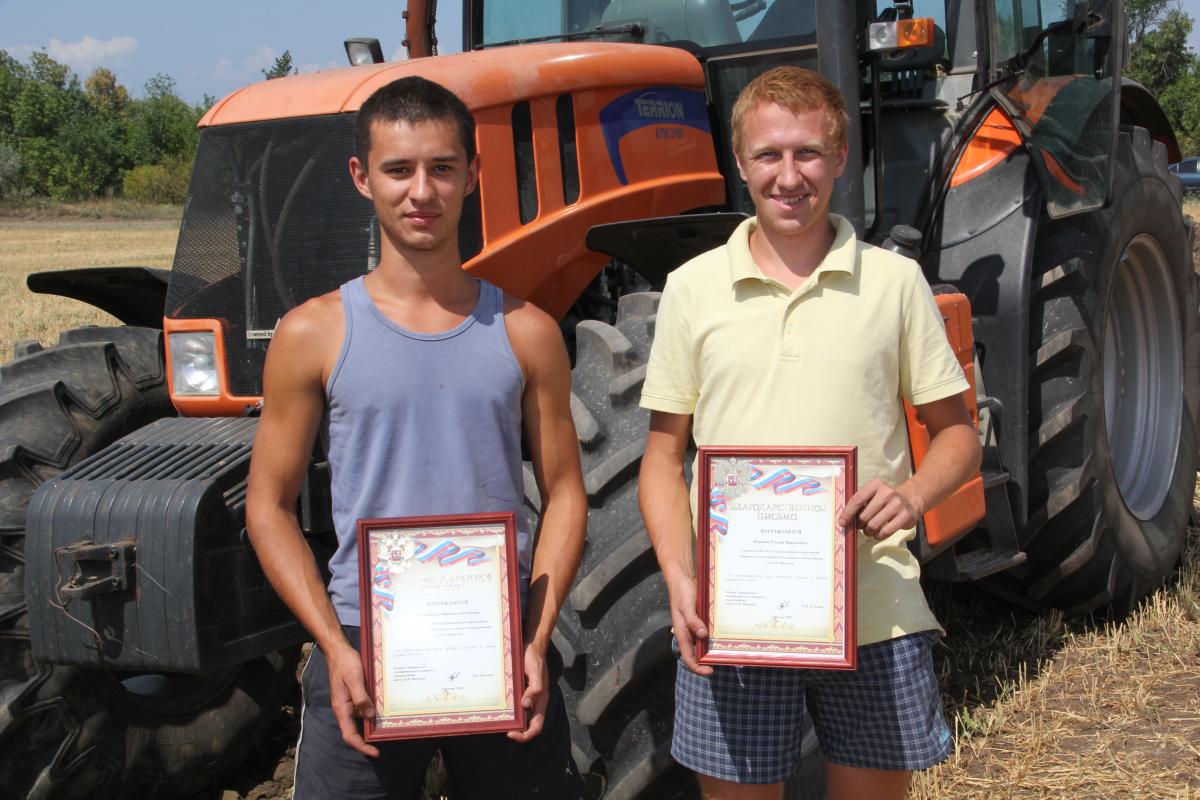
[{"x": 796, "y": 90}]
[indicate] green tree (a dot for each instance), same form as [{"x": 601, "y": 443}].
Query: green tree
[
  {"x": 161, "y": 124},
  {"x": 90, "y": 158},
  {"x": 281, "y": 68},
  {"x": 10, "y": 168},
  {"x": 13, "y": 76},
  {"x": 69, "y": 140},
  {"x": 1161, "y": 57},
  {"x": 1181, "y": 102},
  {"x": 1142, "y": 16},
  {"x": 104, "y": 93},
  {"x": 45, "y": 70}
]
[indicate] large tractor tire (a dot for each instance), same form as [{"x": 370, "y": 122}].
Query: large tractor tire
[
  {"x": 71, "y": 732},
  {"x": 614, "y": 632},
  {"x": 1114, "y": 392}
]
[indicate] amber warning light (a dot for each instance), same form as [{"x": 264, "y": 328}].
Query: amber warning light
[{"x": 897, "y": 35}]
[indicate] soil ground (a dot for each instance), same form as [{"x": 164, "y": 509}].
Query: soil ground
[{"x": 1041, "y": 707}]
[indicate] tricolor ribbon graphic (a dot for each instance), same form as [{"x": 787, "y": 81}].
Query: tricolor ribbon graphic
[
  {"x": 381, "y": 581},
  {"x": 784, "y": 481},
  {"x": 717, "y": 505}
]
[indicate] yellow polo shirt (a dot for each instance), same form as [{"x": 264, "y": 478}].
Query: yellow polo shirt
[{"x": 825, "y": 364}]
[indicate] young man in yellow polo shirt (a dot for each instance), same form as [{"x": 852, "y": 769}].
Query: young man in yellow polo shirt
[{"x": 795, "y": 333}]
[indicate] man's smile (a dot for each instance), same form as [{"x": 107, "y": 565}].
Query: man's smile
[{"x": 791, "y": 200}]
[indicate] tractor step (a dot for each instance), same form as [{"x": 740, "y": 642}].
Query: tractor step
[{"x": 980, "y": 563}]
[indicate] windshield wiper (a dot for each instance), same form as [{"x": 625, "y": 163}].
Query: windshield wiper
[
  {"x": 635, "y": 29},
  {"x": 1020, "y": 60},
  {"x": 1018, "y": 63}
]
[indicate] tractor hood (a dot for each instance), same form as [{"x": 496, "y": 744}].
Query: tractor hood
[
  {"x": 483, "y": 79},
  {"x": 570, "y": 137}
]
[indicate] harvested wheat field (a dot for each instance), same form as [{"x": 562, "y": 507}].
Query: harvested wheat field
[
  {"x": 35, "y": 245},
  {"x": 1042, "y": 707}
]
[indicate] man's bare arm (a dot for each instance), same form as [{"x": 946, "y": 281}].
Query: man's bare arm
[
  {"x": 293, "y": 402},
  {"x": 954, "y": 456},
  {"x": 663, "y": 497},
  {"x": 554, "y": 450}
]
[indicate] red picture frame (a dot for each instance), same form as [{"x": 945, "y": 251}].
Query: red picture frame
[
  {"x": 428, "y": 631},
  {"x": 784, "y": 496}
]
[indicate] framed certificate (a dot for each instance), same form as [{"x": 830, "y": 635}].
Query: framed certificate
[
  {"x": 441, "y": 628},
  {"x": 775, "y": 584}
]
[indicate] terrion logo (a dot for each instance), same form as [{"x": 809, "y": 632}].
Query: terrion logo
[{"x": 648, "y": 107}]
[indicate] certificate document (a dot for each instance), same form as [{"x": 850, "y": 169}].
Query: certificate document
[
  {"x": 441, "y": 635},
  {"x": 775, "y": 584}
]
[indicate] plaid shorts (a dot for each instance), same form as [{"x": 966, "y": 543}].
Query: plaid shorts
[{"x": 743, "y": 724}]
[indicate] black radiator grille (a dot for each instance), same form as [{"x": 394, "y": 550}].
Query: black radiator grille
[
  {"x": 172, "y": 449},
  {"x": 272, "y": 219}
]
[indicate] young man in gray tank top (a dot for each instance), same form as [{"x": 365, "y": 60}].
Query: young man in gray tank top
[{"x": 417, "y": 376}]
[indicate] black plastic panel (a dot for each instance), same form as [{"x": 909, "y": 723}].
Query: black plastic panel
[{"x": 169, "y": 500}]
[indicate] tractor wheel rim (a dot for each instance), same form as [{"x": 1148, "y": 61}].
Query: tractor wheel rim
[{"x": 1143, "y": 377}]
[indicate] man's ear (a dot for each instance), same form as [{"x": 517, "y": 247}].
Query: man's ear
[
  {"x": 358, "y": 174},
  {"x": 839, "y": 166},
  {"x": 473, "y": 174},
  {"x": 741, "y": 167}
]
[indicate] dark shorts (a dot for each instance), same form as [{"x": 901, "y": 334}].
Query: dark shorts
[
  {"x": 743, "y": 724},
  {"x": 481, "y": 766}
]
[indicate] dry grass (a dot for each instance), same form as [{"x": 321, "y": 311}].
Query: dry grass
[
  {"x": 33, "y": 246},
  {"x": 1191, "y": 206},
  {"x": 1046, "y": 709}
]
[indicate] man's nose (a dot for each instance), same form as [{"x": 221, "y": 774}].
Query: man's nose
[
  {"x": 421, "y": 187},
  {"x": 789, "y": 174}
]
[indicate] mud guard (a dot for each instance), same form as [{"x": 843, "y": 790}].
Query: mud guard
[
  {"x": 657, "y": 246},
  {"x": 134, "y": 295},
  {"x": 1138, "y": 107},
  {"x": 981, "y": 242}
]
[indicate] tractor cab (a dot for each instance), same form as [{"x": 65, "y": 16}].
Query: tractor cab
[{"x": 915, "y": 69}]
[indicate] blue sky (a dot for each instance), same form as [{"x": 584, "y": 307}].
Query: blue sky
[
  {"x": 215, "y": 46},
  {"x": 210, "y": 47}
]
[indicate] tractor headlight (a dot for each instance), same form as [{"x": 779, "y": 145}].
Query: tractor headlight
[{"x": 194, "y": 364}]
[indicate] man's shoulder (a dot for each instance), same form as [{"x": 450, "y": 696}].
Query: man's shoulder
[
  {"x": 875, "y": 254},
  {"x": 883, "y": 265},
  {"x": 312, "y": 319},
  {"x": 702, "y": 270},
  {"x": 524, "y": 319},
  {"x": 535, "y": 338}
]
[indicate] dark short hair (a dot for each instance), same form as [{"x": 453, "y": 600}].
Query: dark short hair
[{"x": 413, "y": 99}]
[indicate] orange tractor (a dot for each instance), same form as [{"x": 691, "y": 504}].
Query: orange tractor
[{"x": 141, "y": 651}]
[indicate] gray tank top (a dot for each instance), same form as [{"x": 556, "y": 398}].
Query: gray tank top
[{"x": 421, "y": 423}]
